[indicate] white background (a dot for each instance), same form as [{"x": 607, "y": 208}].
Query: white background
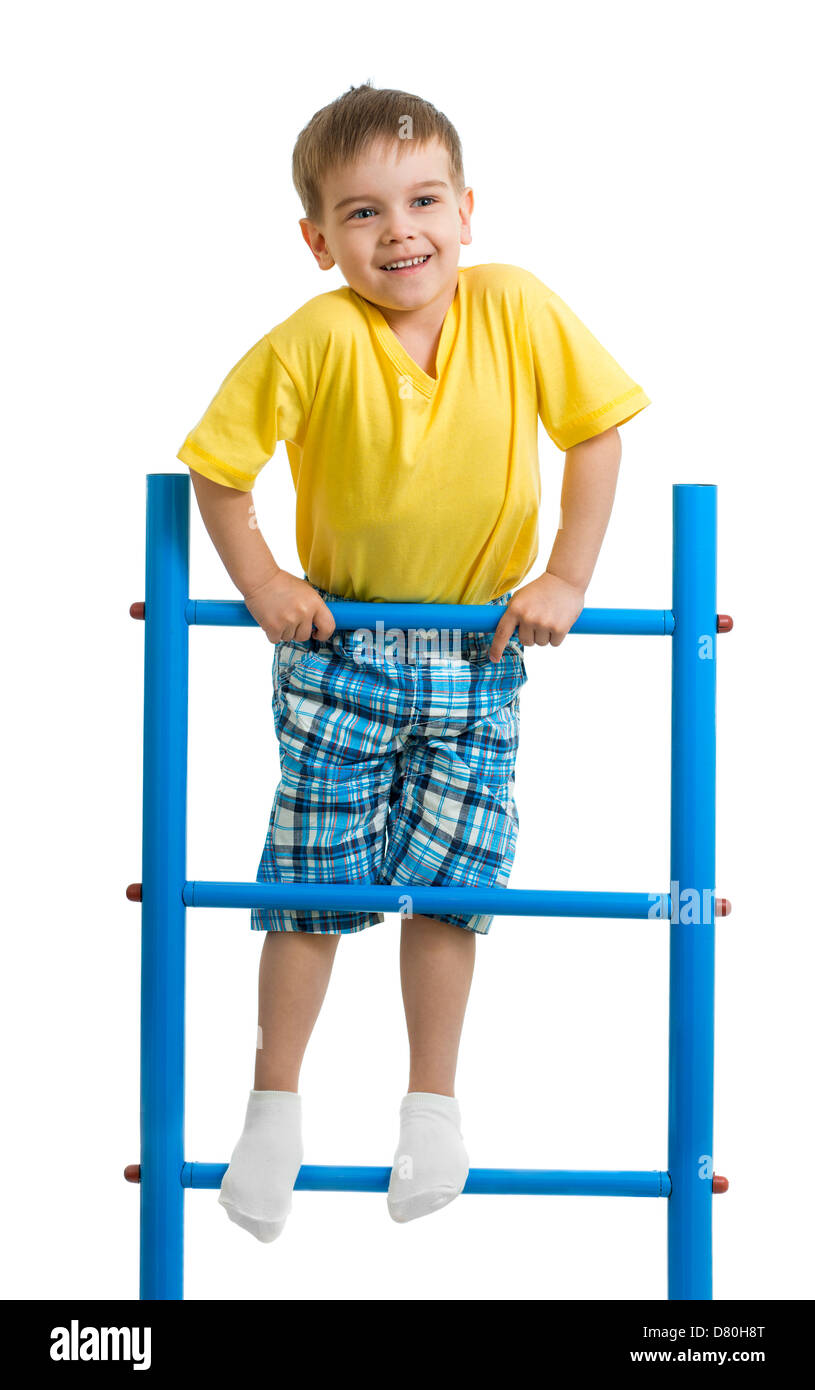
[{"x": 650, "y": 164}]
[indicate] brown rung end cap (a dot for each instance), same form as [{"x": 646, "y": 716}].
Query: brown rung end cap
[
  {"x": 133, "y": 1173},
  {"x": 723, "y": 906},
  {"x": 720, "y": 1184},
  {"x": 724, "y": 622},
  {"x": 137, "y": 610},
  {"x": 133, "y": 891}
]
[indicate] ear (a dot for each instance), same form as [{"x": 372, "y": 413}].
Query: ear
[
  {"x": 465, "y": 212},
  {"x": 316, "y": 243}
]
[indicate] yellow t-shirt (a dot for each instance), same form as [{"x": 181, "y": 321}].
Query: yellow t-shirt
[{"x": 411, "y": 487}]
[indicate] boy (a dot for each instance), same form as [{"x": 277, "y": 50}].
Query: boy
[{"x": 409, "y": 402}]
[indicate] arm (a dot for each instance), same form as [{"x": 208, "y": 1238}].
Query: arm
[
  {"x": 229, "y": 516},
  {"x": 545, "y": 610},
  {"x": 283, "y": 605},
  {"x": 589, "y": 482}
]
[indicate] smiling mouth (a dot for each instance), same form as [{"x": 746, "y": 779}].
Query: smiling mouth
[{"x": 400, "y": 267}]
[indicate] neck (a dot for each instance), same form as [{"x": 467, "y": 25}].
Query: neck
[{"x": 423, "y": 321}]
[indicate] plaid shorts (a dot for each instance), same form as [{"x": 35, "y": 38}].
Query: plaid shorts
[{"x": 397, "y": 767}]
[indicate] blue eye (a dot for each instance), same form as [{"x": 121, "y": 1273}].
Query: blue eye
[{"x": 424, "y": 198}]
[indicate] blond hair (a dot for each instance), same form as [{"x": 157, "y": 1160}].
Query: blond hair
[{"x": 341, "y": 132}]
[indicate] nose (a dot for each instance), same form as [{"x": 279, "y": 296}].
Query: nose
[{"x": 397, "y": 229}]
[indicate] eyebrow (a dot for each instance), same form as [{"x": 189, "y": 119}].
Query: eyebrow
[{"x": 371, "y": 197}]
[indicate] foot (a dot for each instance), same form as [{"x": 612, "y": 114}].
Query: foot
[
  {"x": 430, "y": 1166},
  {"x": 257, "y": 1186}
]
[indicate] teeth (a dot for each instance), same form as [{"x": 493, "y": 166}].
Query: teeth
[{"x": 396, "y": 265}]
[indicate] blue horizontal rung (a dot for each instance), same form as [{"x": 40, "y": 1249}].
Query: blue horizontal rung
[
  {"x": 349, "y": 615},
  {"x": 417, "y": 898},
  {"x": 556, "y": 1182}
]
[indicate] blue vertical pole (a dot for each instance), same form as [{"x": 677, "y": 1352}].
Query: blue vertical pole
[
  {"x": 164, "y": 837},
  {"x": 693, "y": 806}
]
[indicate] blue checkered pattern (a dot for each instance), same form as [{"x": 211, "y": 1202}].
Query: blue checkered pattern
[{"x": 397, "y": 766}]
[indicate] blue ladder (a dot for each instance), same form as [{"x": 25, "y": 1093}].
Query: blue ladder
[{"x": 691, "y": 908}]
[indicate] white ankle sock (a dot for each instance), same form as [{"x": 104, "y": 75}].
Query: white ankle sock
[
  {"x": 257, "y": 1186},
  {"x": 430, "y": 1166}
]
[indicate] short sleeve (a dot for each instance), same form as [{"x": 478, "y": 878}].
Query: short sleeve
[
  {"x": 582, "y": 390},
  {"x": 256, "y": 406}
]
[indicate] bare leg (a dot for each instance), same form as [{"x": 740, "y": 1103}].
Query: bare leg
[
  {"x": 436, "y": 966},
  {"x": 295, "y": 968}
]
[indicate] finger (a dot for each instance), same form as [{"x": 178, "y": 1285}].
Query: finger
[
  {"x": 557, "y": 638},
  {"x": 503, "y": 632},
  {"x": 302, "y": 632},
  {"x": 324, "y": 623}
]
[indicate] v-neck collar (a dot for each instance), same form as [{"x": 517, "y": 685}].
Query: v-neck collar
[{"x": 399, "y": 354}]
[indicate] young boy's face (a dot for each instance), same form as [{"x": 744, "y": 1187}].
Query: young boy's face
[{"x": 394, "y": 204}]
